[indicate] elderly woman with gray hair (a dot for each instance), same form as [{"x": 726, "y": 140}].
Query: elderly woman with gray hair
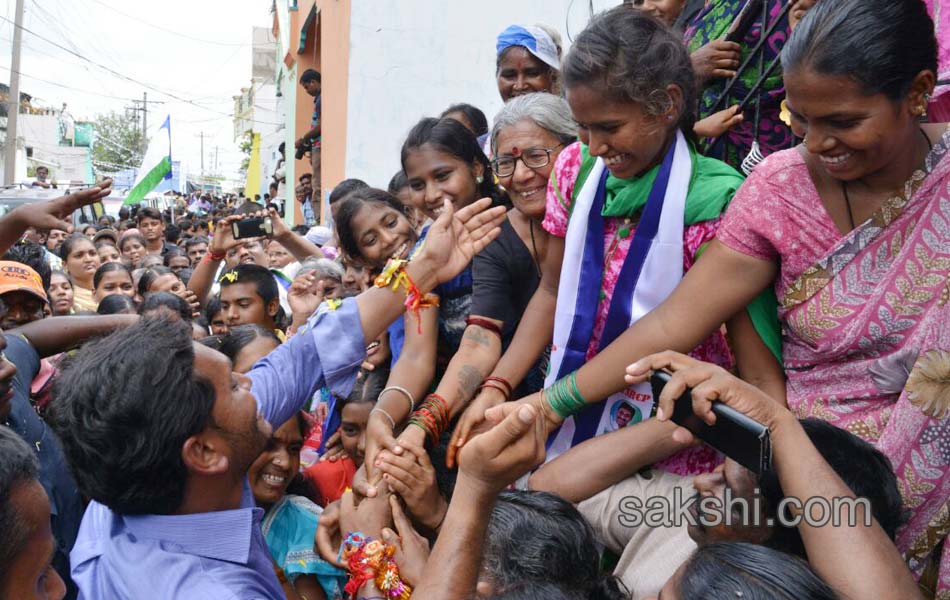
[
  {"x": 306, "y": 293},
  {"x": 526, "y": 139}
]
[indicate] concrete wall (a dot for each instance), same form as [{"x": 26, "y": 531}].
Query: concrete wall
[
  {"x": 335, "y": 45},
  {"x": 413, "y": 58},
  {"x": 41, "y": 133}
]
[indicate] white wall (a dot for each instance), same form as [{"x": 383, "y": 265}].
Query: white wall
[
  {"x": 41, "y": 133},
  {"x": 413, "y": 58}
]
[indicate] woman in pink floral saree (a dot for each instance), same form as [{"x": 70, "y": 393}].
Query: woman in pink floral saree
[
  {"x": 866, "y": 322},
  {"x": 853, "y": 230}
]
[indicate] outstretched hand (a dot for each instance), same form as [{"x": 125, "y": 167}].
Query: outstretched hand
[
  {"x": 718, "y": 123},
  {"x": 456, "y": 237},
  {"x": 53, "y": 214},
  {"x": 304, "y": 296}
]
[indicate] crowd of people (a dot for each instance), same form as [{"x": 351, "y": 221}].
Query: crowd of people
[{"x": 449, "y": 393}]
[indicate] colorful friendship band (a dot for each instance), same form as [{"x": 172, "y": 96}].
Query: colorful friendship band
[
  {"x": 432, "y": 417},
  {"x": 394, "y": 274},
  {"x": 372, "y": 560}
]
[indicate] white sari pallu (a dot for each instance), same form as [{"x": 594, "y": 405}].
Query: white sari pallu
[{"x": 651, "y": 271}]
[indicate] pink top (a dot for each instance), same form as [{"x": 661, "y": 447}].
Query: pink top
[
  {"x": 700, "y": 459},
  {"x": 555, "y": 222},
  {"x": 779, "y": 197}
]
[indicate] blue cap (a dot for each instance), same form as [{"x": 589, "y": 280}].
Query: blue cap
[{"x": 534, "y": 39}]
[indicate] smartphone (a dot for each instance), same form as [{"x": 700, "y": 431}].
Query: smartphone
[
  {"x": 253, "y": 227},
  {"x": 742, "y": 439}
]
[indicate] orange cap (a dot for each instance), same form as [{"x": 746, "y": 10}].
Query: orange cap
[{"x": 15, "y": 276}]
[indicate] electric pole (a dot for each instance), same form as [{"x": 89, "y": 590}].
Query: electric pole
[
  {"x": 202, "y": 136},
  {"x": 135, "y": 109},
  {"x": 145, "y": 121},
  {"x": 13, "y": 106}
]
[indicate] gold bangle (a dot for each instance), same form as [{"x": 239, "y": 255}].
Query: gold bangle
[{"x": 544, "y": 412}]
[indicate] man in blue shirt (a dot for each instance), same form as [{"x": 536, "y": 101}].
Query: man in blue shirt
[{"x": 160, "y": 432}]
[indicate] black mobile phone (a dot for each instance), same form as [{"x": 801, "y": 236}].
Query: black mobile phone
[
  {"x": 253, "y": 227},
  {"x": 742, "y": 439}
]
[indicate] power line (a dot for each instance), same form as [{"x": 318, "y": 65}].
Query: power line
[
  {"x": 67, "y": 87},
  {"x": 116, "y": 73},
  {"x": 171, "y": 31}
]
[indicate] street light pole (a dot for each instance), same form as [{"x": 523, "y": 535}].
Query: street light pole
[{"x": 13, "y": 106}]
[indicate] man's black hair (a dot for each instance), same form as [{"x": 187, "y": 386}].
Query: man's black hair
[
  {"x": 147, "y": 212},
  {"x": 18, "y": 465},
  {"x": 114, "y": 304},
  {"x": 172, "y": 233},
  {"x": 861, "y": 466},
  {"x": 32, "y": 255},
  {"x": 248, "y": 208},
  {"x": 261, "y": 277},
  {"x": 166, "y": 300},
  {"x": 123, "y": 406},
  {"x": 310, "y": 75},
  {"x": 196, "y": 241}
]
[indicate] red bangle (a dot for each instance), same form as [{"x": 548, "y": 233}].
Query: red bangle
[
  {"x": 484, "y": 324},
  {"x": 212, "y": 257},
  {"x": 495, "y": 386},
  {"x": 504, "y": 382}
]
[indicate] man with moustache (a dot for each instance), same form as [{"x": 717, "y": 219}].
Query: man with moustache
[
  {"x": 162, "y": 442},
  {"x": 619, "y": 497}
]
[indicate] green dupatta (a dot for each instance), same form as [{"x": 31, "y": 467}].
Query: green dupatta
[{"x": 712, "y": 185}]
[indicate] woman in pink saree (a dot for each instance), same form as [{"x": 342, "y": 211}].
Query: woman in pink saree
[
  {"x": 939, "y": 109},
  {"x": 853, "y": 230}
]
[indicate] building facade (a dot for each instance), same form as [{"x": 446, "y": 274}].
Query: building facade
[{"x": 385, "y": 64}]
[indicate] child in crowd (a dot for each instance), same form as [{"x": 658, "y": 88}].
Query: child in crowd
[{"x": 345, "y": 429}]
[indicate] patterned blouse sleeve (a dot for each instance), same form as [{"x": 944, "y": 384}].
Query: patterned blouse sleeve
[
  {"x": 754, "y": 210},
  {"x": 695, "y": 237},
  {"x": 561, "y": 190}
]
